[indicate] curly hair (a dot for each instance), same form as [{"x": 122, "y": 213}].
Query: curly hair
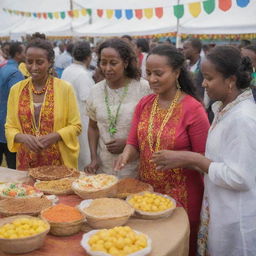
[
  {"x": 228, "y": 61},
  {"x": 125, "y": 52},
  {"x": 42, "y": 44},
  {"x": 176, "y": 60}
]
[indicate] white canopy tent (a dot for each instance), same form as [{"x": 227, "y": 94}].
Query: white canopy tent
[{"x": 234, "y": 21}]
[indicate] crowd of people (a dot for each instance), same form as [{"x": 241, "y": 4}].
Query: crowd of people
[{"x": 177, "y": 119}]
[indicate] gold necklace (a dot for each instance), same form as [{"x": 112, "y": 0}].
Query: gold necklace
[{"x": 166, "y": 119}]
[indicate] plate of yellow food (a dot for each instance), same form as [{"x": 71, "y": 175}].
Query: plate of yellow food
[
  {"x": 152, "y": 205},
  {"x": 95, "y": 186},
  {"x": 118, "y": 241},
  {"x": 56, "y": 187}
]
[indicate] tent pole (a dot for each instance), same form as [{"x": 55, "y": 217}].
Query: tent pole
[
  {"x": 178, "y": 37},
  {"x": 71, "y": 20}
]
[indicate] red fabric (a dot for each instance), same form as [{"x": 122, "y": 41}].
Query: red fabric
[{"x": 187, "y": 129}]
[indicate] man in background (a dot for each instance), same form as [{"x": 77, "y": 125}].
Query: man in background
[{"x": 9, "y": 75}]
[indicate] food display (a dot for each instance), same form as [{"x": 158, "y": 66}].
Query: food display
[
  {"x": 107, "y": 212},
  {"x": 152, "y": 205},
  {"x": 56, "y": 187},
  {"x": 22, "y": 234},
  {"x": 95, "y": 186},
  {"x": 129, "y": 186},
  {"x": 53, "y": 172},
  {"x": 23, "y": 227},
  {"x": 31, "y": 206},
  {"x": 119, "y": 241},
  {"x": 64, "y": 220},
  {"x": 18, "y": 190},
  {"x": 62, "y": 213}
]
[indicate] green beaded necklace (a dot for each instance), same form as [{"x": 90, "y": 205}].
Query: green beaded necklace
[{"x": 112, "y": 120}]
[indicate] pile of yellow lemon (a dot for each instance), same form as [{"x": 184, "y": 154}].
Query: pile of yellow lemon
[
  {"x": 118, "y": 241},
  {"x": 22, "y": 227},
  {"x": 150, "y": 202}
]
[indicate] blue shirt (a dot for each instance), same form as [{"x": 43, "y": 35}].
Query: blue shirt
[{"x": 9, "y": 75}]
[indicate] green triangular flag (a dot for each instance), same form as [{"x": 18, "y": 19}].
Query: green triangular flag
[
  {"x": 89, "y": 11},
  {"x": 209, "y": 6},
  {"x": 50, "y": 15},
  {"x": 178, "y": 10},
  {"x": 62, "y": 15}
]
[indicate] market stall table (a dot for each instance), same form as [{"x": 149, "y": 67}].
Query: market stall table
[{"x": 170, "y": 236}]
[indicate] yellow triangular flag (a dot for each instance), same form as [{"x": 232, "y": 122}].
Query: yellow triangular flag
[
  {"x": 56, "y": 15},
  {"x": 148, "y": 12},
  {"x": 83, "y": 12},
  {"x": 109, "y": 13},
  {"x": 75, "y": 13},
  {"x": 194, "y": 9}
]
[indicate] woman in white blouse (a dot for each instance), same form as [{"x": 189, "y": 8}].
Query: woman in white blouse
[
  {"x": 111, "y": 104},
  {"x": 228, "y": 217}
]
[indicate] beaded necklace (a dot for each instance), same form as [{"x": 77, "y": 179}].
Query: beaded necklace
[
  {"x": 166, "y": 119},
  {"x": 112, "y": 119},
  {"x": 41, "y": 91}
]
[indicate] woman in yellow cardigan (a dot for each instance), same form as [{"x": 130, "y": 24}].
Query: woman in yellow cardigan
[{"x": 43, "y": 120}]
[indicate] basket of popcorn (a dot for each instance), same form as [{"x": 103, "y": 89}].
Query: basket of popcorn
[
  {"x": 95, "y": 186},
  {"x": 64, "y": 220},
  {"x": 22, "y": 234},
  {"x": 152, "y": 205},
  {"x": 106, "y": 212},
  {"x": 119, "y": 241}
]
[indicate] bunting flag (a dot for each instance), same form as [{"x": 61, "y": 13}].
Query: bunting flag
[{"x": 194, "y": 8}]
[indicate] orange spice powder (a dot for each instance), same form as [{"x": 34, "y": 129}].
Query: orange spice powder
[{"x": 62, "y": 213}]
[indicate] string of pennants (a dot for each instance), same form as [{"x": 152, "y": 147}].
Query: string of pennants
[{"x": 195, "y": 8}]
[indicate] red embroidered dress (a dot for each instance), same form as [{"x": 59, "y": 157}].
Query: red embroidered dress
[
  {"x": 27, "y": 158},
  {"x": 186, "y": 130}
]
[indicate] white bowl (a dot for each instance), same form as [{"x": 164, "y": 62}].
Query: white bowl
[{"x": 87, "y": 247}]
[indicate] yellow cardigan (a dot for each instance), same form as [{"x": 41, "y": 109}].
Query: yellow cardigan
[{"x": 66, "y": 120}]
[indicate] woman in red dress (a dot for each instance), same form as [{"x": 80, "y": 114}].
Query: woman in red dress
[{"x": 170, "y": 119}]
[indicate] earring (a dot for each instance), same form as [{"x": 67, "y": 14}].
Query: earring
[{"x": 178, "y": 84}]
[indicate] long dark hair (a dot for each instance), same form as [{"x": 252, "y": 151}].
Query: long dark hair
[
  {"x": 126, "y": 53},
  {"x": 176, "y": 60}
]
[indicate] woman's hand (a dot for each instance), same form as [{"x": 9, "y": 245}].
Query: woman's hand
[
  {"x": 49, "y": 139},
  {"x": 31, "y": 141},
  {"x": 92, "y": 167},
  {"x": 167, "y": 159},
  {"x": 120, "y": 162},
  {"x": 116, "y": 146}
]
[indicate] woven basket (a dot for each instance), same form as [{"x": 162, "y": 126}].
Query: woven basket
[
  {"x": 154, "y": 215},
  {"x": 22, "y": 245},
  {"x": 64, "y": 228},
  {"x": 55, "y": 191},
  {"x": 109, "y": 221},
  {"x": 106, "y": 192},
  {"x": 4, "y": 212}
]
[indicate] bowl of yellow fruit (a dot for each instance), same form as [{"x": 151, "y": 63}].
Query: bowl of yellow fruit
[
  {"x": 118, "y": 241},
  {"x": 22, "y": 233},
  {"x": 152, "y": 205}
]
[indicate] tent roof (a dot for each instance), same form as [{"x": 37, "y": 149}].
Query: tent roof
[{"x": 234, "y": 21}]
